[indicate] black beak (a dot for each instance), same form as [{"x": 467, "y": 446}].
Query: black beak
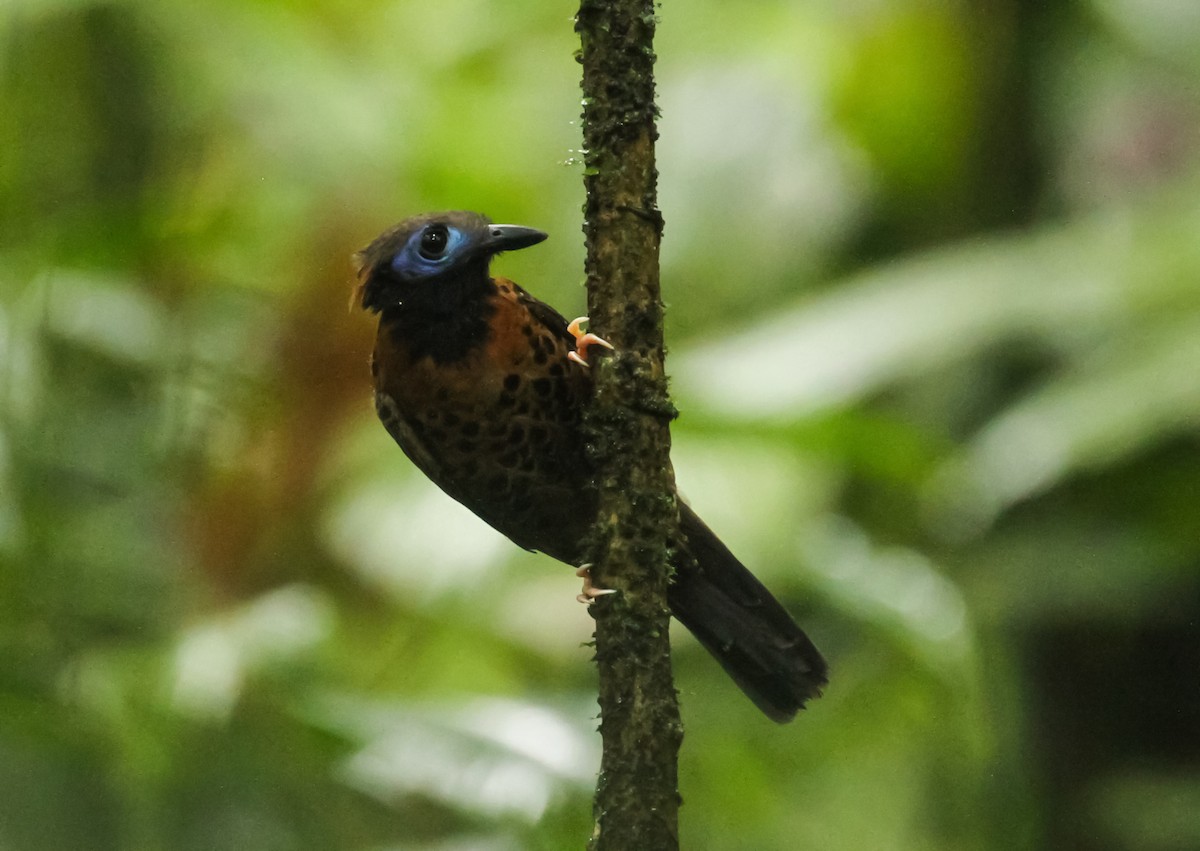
[{"x": 511, "y": 237}]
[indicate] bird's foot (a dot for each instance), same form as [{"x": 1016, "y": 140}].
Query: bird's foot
[
  {"x": 582, "y": 341},
  {"x": 590, "y": 591}
]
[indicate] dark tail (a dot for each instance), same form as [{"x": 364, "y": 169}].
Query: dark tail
[{"x": 743, "y": 626}]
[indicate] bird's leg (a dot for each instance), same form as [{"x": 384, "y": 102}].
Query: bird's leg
[
  {"x": 590, "y": 591},
  {"x": 582, "y": 341}
]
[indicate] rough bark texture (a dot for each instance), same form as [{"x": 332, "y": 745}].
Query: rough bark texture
[{"x": 637, "y": 801}]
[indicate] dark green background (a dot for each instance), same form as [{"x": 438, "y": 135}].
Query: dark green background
[{"x": 933, "y": 271}]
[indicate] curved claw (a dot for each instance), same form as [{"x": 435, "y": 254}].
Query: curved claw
[
  {"x": 590, "y": 592},
  {"x": 582, "y": 341}
]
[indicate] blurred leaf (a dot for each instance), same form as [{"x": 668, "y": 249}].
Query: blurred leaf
[
  {"x": 1073, "y": 285},
  {"x": 1137, "y": 393}
]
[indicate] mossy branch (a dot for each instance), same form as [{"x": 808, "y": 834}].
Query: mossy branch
[{"x": 637, "y": 801}]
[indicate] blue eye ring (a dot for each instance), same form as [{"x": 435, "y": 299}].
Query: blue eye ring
[{"x": 430, "y": 251}]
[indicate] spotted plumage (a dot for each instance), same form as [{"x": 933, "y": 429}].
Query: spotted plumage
[
  {"x": 498, "y": 427},
  {"x": 483, "y": 387}
]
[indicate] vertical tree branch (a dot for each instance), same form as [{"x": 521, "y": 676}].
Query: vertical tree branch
[{"x": 637, "y": 801}]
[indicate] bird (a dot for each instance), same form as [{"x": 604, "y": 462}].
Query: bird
[{"x": 484, "y": 386}]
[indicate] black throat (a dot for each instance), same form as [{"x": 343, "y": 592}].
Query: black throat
[{"x": 445, "y": 319}]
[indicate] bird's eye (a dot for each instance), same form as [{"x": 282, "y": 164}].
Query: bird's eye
[{"x": 433, "y": 242}]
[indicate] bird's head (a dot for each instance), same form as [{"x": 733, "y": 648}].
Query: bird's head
[{"x": 436, "y": 256}]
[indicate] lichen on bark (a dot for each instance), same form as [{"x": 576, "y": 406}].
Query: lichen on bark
[{"x": 628, "y": 426}]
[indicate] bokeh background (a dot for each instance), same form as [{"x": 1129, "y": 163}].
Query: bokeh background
[{"x": 933, "y": 271}]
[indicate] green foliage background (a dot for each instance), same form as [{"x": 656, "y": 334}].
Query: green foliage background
[{"x": 933, "y": 271}]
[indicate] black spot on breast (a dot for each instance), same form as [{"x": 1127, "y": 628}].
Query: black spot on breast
[
  {"x": 465, "y": 445},
  {"x": 516, "y": 434},
  {"x": 498, "y": 482},
  {"x": 470, "y": 429},
  {"x": 542, "y": 386},
  {"x": 511, "y": 382},
  {"x": 507, "y": 401},
  {"x": 527, "y": 330},
  {"x": 451, "y": 419},
  {"x": 538, "y": 435},
  {"x": 539, "y": 357},
  {"x": 556, "y": 369}
]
